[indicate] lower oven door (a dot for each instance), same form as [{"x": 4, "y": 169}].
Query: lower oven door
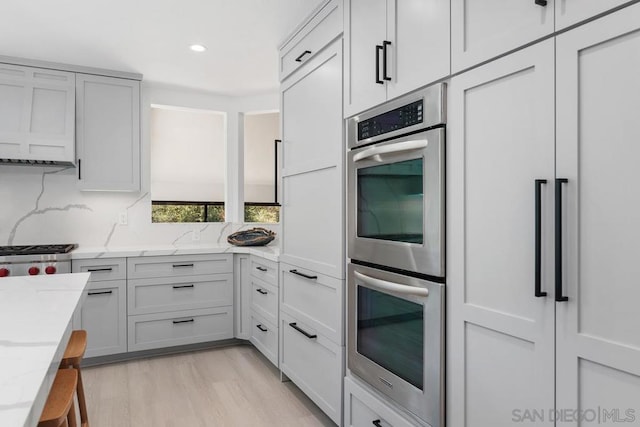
[
  {"x": 395, "y": 202},
  {"x": 395, "y": 338}
]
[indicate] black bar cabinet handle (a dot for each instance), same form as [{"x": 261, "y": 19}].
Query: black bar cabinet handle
[
  {"x": 306, "y": 276},
  {"x": 261, "y": 268},
  {"x": 79, "y": 168},
  {"x": 538, "y": 259},
  {"x": 182, "y": 265},
  {"x": 376, "y": 423},
  {"x": 378, "y": 49},
  {"x": 541, "y": 2},
  {"x": 182, "y": 286},
  {"x": 175, "y": 322},
  {"x": 261, "y": 291},
  {"x": 295, "y": 326},
  {"x": 93, "y": 270},
  {"x": 100, "y": 293},
  {"x": 262, "y": 328},
  {"x": 558, "y": 232},
  {"x": 384, "y": 59},
  {"x": 299, "y": 58}
]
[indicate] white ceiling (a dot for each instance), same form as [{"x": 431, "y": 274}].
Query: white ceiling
[{"x": 152, "y": 37}]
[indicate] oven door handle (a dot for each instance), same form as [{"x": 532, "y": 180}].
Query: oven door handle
[
  {"x": 383, "y": 285},
  {"x": 375, "y": 152}
]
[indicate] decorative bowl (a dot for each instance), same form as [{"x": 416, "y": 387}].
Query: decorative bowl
[{"x": 257, "y": 236}]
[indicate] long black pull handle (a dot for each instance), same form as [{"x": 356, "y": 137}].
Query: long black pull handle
[
  {"x": 182, "y": 286},
  {"x": 306, "y": 276},
  {"x": 261, "y": 268},
  {"x": 262, "y": 328},
  {"x": 79, "y": 169},
  {"x": 541, "y": 2},
  {"x": 376, "y": 423},
  {"x": 182, "y": 265},
  {"x": 261, "y": 291},
  {"x": 299, "y": 58},
  {"x": 378, "y": 50},
  {"x": 295, "y": 326},
  {"x": 384, "y": 60},
  {"x": 100, "y": 293},
  {"x": 175, "y": 322},
  {"x": 93, "y": 270},
  {"x": 558, "y": 232},
  {"x": 538, "y": 257}
]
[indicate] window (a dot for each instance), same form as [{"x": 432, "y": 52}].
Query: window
[
  {"x": 261, "y": 133},
  {"x": 187, "y": 165}
]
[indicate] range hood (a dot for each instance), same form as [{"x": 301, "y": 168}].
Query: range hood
[{"x": 37, "y": 162}]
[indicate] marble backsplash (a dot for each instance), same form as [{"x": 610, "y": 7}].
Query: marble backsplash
[{"x": 43, "y": 205}]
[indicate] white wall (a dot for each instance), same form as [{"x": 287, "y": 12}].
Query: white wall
[{"x": 43, "y": 205}]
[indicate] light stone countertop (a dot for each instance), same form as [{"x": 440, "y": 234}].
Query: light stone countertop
[
  {"x": 271, "y": 253},
  {"x": 35, "y": 313}
]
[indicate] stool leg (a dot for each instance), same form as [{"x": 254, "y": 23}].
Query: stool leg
[
  {"x": 84, "y": 419},
  {"x": 71, "y": 417}
]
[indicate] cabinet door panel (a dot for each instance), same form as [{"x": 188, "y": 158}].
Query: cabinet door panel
[
  {"x": 420, "y": 44},
  {"x": 569, "y": 12},
  {"x": 103, "y": 316},
  {"x": 598, "y": 347},
  {"x": 312, "y": 111},
  {"x": 365, "y": 28},
  {"x": 108, "y": 133},
  {"x": 312, "y": 227},
  {"x": 481, "y": 30},
  {"x": 501, "y": 139}
]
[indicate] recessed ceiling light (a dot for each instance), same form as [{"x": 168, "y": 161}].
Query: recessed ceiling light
[{"x": 197, "y": 48}]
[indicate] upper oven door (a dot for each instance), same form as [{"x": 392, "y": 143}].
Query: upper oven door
[{"x": 396, "y": 203}]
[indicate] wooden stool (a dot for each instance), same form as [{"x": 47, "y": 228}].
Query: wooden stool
[
  {"x": 59, "y": 410},
  {"x": 72, "y": 358}
]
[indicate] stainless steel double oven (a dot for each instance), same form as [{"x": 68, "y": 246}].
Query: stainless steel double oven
[{"x": 395, "y": 297}]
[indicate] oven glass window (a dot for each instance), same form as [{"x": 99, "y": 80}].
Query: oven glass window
[
  {"x": 391, "y": 334},
  {"x": 391, "y": 202}
]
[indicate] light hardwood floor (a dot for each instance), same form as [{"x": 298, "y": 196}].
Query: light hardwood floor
[{"x": 231, "y": 386}]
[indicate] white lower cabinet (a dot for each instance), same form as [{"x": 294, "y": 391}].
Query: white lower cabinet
[
  {"x": 264, "y": 336},
  {"x": 104, "y": 312},
  {"x": 314, "y": 363},
  {"x": 363, "y": 409},
  {"x": 242, "y": 296},
  {"x": 176, "y": 300},
  {"x": 158, "y": 330},
  {"x": 103, "y": 315}
]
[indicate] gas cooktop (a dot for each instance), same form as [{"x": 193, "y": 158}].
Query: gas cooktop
[{"x": 36, "y": 249}]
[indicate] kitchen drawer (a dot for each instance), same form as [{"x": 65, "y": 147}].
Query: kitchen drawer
[
  {"x": 264, "y": 300},
  {"x": 316, "y": 300},
  {"x": 312, "y": 38},
  {"x": 101, "y": 269},
  {"x": 103, "y": 314},
  {"x": 147, "y": 331},
  {"x": 363, "y": 408},
  {"x": 264, "y": 336},
  {"x": 313, "y": 363},
  {"x": 180, "y": 293},
  {"x": 265, "y": 270},
  {"x": 179, "y": 265}
]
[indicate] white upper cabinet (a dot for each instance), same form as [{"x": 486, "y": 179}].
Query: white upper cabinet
[
  {"x": 37, "y": 113},
  {"x": 481, "y": 30},
  {"x": 108, "y": 133},
  {"x": 393, "y": 47},
  {"x": 569, "y": 12}
]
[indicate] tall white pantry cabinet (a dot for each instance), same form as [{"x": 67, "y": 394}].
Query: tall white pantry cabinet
[{"x": 542, "y": 232}]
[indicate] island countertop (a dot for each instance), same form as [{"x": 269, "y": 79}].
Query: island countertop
[{"x": 35, "y": 312}]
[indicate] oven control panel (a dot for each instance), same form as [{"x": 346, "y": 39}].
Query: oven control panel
[{"x": 399, "y": 118}]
